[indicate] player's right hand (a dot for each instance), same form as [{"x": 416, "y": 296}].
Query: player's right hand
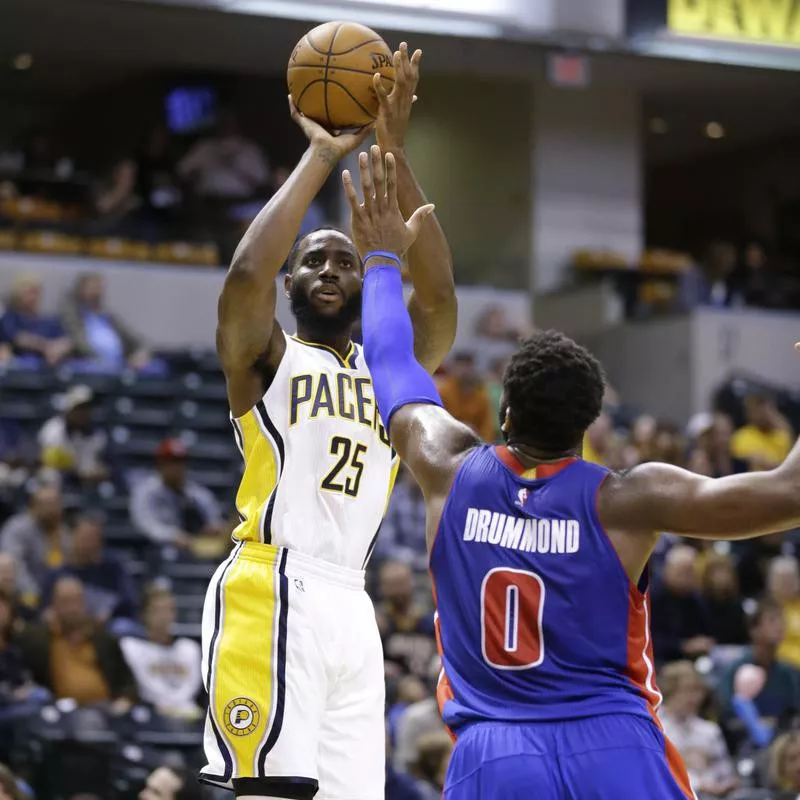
[
  {"x": 338, "y": 144},
  {"x": 377, "y": 222}
]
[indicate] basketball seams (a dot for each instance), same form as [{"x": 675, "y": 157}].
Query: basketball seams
[
  {"x": 357, "y": 46},
  {"x": 325, "y": 76},
  {"x": 320, "y": 48},
  {"x": 340, "y": 69},
  {"x": 354, "y": 99}
]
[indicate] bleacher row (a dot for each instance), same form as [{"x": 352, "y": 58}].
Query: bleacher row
[{"x": 138, "y": 413}]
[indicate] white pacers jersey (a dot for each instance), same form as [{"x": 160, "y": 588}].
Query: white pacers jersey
[{"x": 318, "y": 464}]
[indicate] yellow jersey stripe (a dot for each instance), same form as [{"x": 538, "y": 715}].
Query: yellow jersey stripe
[{"x": 260, "y": 478}]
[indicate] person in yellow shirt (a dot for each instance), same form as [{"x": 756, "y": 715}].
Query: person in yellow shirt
[
  {"x": 783, "y": 586},
  {"x": 765, "y": 441}
]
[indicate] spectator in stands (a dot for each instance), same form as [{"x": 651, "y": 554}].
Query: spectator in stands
[
  {"x": 158, "y": 186},
  {"x": 166, "y": 668},
  {"x": 245, "y": 213},
  {"x": 73, "y": 656},
  {"x": 668, "y": 445},
  {"x": 465, "y": 396},
  {"x": 34, "y": 337},
  {"x": 433, "y": 756},
  {"x": 19, "y": 458},
  {"x": 97, "y": 333},
  {"x": 399, "y": 785},
  {"x": 779, "y": 697},
  {"x": 36, "y": 539},
  {"x": 16, "y": 684},
  {"x": 116, "y": 196},
  {"x": 725, "y": 612},
  {"x": 170, "y": 783},
  {"x": 785, "y": 764},
  {"x": 599, "y": 439},
  {"x": 225, "y": 165},
  {"x": 680, "y": 625},
  {"x": 765, "y": 441},
  {"x": 754, "y": 556},
  {"x": 783, "y": 586},
  {"x": 699, "y": 741},
  {"x": 171, "y": 509},
  {"x": 406, "y": 629},
  {"x": 8, "y": 586},
  {"x": 417, "y": 720},
  {"x": 710, "y": 434},
  {"x": 72, "y": 443},
  {"x": 402, "y": 536},
  {"x": 107, "y": 586}
]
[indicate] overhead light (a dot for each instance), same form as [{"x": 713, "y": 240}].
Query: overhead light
[
  {"x": 22, "y": 62},
  {"x": 658, "y": 126},
  {"x": 714, "y": 130}
]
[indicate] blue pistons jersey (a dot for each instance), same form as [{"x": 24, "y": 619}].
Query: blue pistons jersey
[{"x": 537, "y": 619}]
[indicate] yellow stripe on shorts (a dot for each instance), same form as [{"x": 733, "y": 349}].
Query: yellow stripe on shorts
[{"x": 247, "y": 685}]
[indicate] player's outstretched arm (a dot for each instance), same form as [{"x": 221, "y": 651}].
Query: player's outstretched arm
[
  {"x": 660, "y": 497},
  {"x": 432, "y": 304},
  {"x": 247, "y": 333},
  {"x": 427, "y": 438}
]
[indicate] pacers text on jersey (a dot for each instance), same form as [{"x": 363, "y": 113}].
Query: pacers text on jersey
[
  {"x": 522, "y": 533},
  {"x": 343, "y": 396}
]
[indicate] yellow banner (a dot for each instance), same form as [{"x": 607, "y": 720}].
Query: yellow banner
[{"x": 764, "y": 21}]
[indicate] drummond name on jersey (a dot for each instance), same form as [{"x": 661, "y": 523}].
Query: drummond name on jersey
[{"x": 522, "y": 533}]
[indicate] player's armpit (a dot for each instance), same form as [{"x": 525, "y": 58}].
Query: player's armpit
[
  {"x": 661, "y": 497},
  {"x": 432, "y": 444}
]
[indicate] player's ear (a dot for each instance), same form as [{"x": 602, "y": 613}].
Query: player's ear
[
  {"x": 505, "y": 422},
  {"x": 287, "y": 284}
]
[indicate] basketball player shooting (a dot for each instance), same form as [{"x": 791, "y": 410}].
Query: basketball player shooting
[
  {"x": 293, "y": 662},
  {"x": 539, "y": 559}
]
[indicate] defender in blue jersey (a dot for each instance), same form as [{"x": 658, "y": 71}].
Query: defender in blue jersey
[{"x": 539, "y": 559}]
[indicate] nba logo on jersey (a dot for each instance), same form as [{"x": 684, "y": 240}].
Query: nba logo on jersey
[{"x": 522, "y": 496}]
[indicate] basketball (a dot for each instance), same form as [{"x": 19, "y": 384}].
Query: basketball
[{"x": 330, "y": 74}]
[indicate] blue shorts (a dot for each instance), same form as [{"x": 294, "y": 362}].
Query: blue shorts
[{"x": 613, "y": 757}]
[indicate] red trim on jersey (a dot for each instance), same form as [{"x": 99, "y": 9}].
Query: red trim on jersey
[
  {"x": 541, "y": 470},
  {"x": 641, "y": 673},
  {"x": 444, "y": 689}
]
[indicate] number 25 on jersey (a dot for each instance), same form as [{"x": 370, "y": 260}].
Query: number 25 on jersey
[
  {"x": 512, "y": 602},
  {"x": 345, "y": 475}
]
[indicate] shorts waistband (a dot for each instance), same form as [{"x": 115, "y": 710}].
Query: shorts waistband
[{"x": 299, "y": 565}]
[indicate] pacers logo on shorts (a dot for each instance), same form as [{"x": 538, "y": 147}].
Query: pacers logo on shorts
[{"x": 241, "y": 716}]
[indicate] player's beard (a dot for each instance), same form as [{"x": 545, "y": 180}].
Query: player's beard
[{"x": 324, "y": 324}]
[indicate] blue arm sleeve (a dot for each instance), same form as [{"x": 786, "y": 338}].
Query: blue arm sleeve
[{"x": 398, "y": 378}]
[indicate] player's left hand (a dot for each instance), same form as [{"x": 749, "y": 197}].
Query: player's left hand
[
  {"x": 395, "y": 105},
  {"x": 377, "y": 222}
]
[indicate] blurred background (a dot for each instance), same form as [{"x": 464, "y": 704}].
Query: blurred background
[{"x": 627, "y": 174}]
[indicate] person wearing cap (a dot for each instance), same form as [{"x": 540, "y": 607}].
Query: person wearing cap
[
  {"x": 32, "y": 335},
  {"x": 71, "y": 443},
  {"x": 170, "y": 508}
]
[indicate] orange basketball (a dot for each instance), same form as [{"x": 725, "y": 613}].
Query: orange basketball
[{"x": 330, "y": 74}]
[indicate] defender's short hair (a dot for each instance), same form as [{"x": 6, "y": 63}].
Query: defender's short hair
[{"x": 554, "y": 391}]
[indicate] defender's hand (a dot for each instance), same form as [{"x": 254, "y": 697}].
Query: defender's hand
[
  {"x": 395, "y": 106},
  {"x": 377, "y": 223},
  {"x": 337, "y": 145}
]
